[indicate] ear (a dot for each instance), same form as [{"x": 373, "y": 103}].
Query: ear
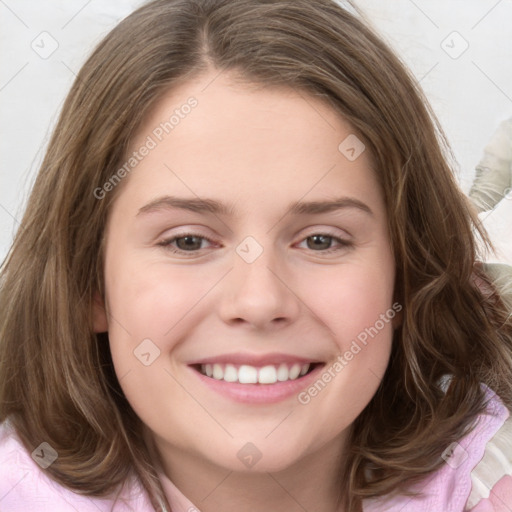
[{"x": 99, "y": 314}]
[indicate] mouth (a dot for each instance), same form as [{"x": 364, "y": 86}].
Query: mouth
[
  {"x": 268, "y": 380},
  {"x": 248, "y": 374}
]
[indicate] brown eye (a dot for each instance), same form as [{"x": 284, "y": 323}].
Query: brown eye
[
  {"x": 319, "y": 242},
  {"x": 325, "y": 243},
  {"x": 187, "y": 243}
]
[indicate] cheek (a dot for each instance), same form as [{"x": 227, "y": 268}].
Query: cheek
[
  {"x": 356, "y": 304},
  {"x": 150, "y": 301},
  {"x": 150, "y": 309},
  {"x": 352, "y": 299},
  {"x": 159, "y": 303}
]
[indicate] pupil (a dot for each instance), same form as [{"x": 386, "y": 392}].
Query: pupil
[
  {"x": 317, "y": 242},
  {"x": 187, "y": 243}
]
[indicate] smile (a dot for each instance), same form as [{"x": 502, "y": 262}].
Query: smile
[
  {"x": 255, "y": 380},
  {"x": 247, "y": 374}
]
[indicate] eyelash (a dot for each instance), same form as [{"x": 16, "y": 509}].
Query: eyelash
[{"x": 343, "y": 244}]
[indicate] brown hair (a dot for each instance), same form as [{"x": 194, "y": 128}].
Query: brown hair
[{"x": 57, "y": 382}]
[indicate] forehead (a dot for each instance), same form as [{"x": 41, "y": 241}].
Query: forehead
[{"x": 214, "y": 136}]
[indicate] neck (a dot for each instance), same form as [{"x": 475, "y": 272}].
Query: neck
[{"x": 312, "y": 483}]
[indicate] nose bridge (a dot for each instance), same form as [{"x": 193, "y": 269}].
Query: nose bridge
[
  {"x": 253, "y": 265},
  {"x": 255, "y": 291}
]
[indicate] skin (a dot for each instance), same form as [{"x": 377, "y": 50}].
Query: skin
[{"x": 257, "y": 150}]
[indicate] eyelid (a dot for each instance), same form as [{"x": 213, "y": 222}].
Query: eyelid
[
  {"x": 338, "y": 233},
  {"x": 166, "y": 240},
  {"x": 180, "y": 231}
]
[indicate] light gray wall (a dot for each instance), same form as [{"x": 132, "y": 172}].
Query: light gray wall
[{"x": 471, "y": 92}]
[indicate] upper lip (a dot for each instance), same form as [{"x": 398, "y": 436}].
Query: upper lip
[{"x": 240, "y": 358}]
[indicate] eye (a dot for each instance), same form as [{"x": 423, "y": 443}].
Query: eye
[
  {"x": 184, "y": 243},
  {"x": 323, "y": 242}
]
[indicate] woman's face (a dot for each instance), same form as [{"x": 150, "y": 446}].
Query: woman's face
[{"x": 248, "y": 275}]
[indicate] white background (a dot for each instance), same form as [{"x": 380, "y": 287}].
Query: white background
[{"x": 470, "y": 94}]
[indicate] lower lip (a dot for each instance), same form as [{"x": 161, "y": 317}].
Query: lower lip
[{"x": 259, "y": 393}]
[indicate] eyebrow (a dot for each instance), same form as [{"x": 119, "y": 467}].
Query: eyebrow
[{"x": 205, "y": 205}]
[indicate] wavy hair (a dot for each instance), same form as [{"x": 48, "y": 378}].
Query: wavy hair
[{"x": 57, "y": 381}]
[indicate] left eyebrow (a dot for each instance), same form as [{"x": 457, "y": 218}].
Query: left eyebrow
[
  {"x": 317, "y": 207},
  {"x": 207, "y": 205}
]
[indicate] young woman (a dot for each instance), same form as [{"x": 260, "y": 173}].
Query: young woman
[{"x": 246, "y": 280}]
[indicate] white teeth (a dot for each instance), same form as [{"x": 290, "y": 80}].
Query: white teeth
[
  {"x": 282, "y": 373},
  {"x": 247, "y": 374},
  {"x": 218, "y": 373},
  {"x": 230, "y": 373},
  {"x": 267, "y": 375},
  {"x": 294, "y": 371}
]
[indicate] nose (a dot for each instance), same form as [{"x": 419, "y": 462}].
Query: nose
[{"x": 259, "y": 294}]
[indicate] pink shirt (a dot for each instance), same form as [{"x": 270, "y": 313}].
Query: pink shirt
[{"x": 477, "y": 477}]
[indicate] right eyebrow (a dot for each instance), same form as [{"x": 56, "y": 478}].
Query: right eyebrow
[{"x": 195, "y": 205}]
